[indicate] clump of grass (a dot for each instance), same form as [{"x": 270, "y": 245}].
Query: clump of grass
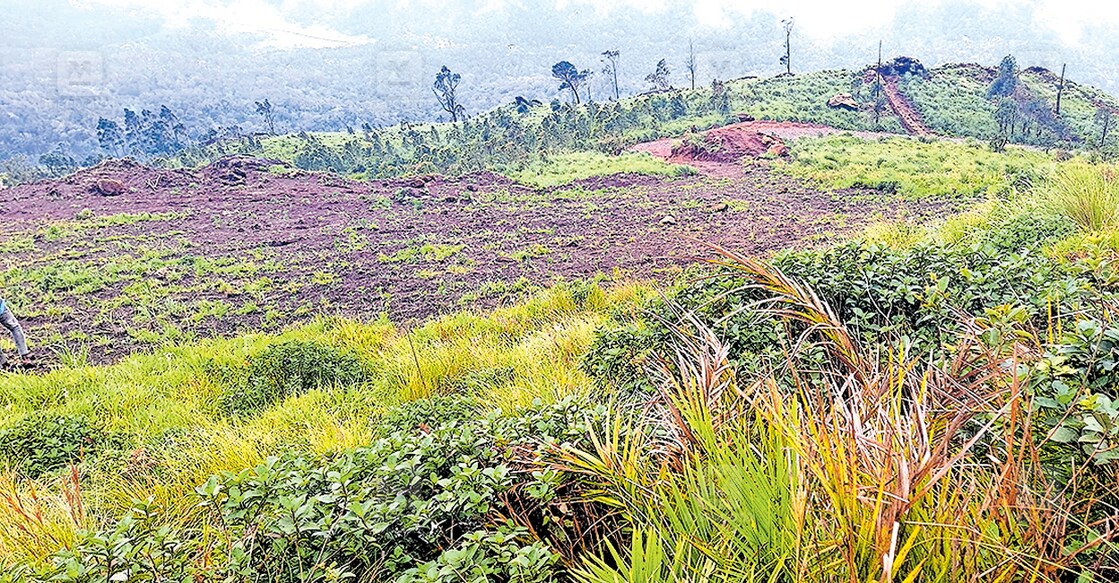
[
  {"x": 1089, "y": 195},
  {"x": 291, "y": 369},
  {"x": 896, "y": 235},
  {"x": 32, "y": 520},
  {"x": 843, "y": 465}
]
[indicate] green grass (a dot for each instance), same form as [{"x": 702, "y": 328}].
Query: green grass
[
  {"x": 428, "y": 252},
  {"x": 804, "y": 98},
  {"x": 914, "y": 168},
  {"x": 952, "y": 102},
  {"x": 166, "y": 405},
  {"x": 565, "y": 168},
  {"x": 1089, "y": 195}
]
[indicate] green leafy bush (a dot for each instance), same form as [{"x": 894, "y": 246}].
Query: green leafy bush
[
  {"x": 919, "y": 294},
  {"x": 41, "y": 443},
  {"x": 618, "y": 356},
  {"x": 1075, "y": 385},
  {"x": 435, "y": 411},
  {"x": 489, "y": 556},
  {"x": 291, "y": 368},
  {"x": 136, "y": 548},
  {"x": 420, "y": 503},
  {"x": 1027, "y": 230}
]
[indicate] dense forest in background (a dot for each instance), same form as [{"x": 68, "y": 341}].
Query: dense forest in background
[{"x": 210, "y": 80}]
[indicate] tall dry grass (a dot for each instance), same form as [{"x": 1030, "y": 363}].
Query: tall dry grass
[{"x": 886, "y": 467}]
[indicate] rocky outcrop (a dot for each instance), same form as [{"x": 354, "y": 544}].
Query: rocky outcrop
[{"x": 843, "y": 101}]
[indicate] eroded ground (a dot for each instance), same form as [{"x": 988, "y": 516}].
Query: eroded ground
[{"x": 242, "y": 245}]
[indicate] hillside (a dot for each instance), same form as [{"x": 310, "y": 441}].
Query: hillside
[
  {"x": 948, "y": 101},
  {"x": 226, "y": 399},
  {"x": 829, "y": 327}
]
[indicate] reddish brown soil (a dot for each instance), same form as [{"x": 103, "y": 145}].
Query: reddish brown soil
[
  {"x": 322, "y": 242},
  {"x": 727, "y": 146},
  {"x": 908, "y": 115}
]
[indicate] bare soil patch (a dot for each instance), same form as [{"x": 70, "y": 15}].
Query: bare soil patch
[{"x": 240, "y": 246}]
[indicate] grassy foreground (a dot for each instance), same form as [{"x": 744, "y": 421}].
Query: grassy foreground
[
  {"x": 163, "y": 425},
  {"x": 925, "y": 403}
]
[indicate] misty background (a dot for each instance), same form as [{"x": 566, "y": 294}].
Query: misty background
[{"x": 338, "y": 64}]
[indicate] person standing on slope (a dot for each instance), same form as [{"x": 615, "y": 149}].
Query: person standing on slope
[{"x": 8, "y": 320}]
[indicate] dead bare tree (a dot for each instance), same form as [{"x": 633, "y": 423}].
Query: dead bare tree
[
  {"x": 690, "y": 63},
  {"x": 611, "y": 68},
  {"x": 1061, "y": 89},
  {"x": 787, "y": 59}
]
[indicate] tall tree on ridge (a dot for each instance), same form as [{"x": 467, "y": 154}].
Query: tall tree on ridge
[
  {"x": 570, "y": 77},
  {"x": 445, "y": 88},
  {"x": 1006, "y": 81},
  {"x": 690, "y": 63},
  {"x": 264, "y": 109},
  {"x": 611, "y": 68},
  {"x": 659, "y": 76},
  {"x": 787, "y": 59}
]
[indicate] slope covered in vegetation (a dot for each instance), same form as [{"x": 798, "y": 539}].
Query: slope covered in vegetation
[
  {"x": 953, "y": 101},
  {"x": 920, "y": 403},
  {"x": 417, "y": 354}
]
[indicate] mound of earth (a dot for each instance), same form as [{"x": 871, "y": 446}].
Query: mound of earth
[
  {"x": 728, "y": 145},
  {"x": 843, "y": 101},
  {"x": 234, "y": 169}
]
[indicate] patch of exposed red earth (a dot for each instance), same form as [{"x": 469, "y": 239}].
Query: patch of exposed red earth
[{"x": 323, "y": 240}]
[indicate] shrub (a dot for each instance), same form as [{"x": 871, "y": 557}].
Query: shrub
[
  {"x": 489, "y": 556},
  {"x": 1075, "y": 385},
  {"x": 434, "y": 411},
  {"x": 1027, "y": 230},
  {"x": 418, "y": 504},
  {"x": 918, "y": 295},
  {"x": 288, "y": 369},
  {"x": 618, "y": 357},
  {"x": 41, "y": 443}
]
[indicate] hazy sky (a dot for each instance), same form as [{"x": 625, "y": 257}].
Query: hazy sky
[
  {"x": 308, "y": 23},
  {"x": 329, "y": 64}
]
